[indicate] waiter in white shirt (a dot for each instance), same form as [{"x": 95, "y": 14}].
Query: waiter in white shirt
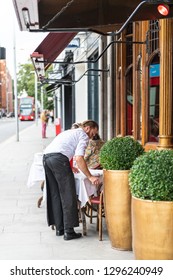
[{"x": 60, "y": 183}]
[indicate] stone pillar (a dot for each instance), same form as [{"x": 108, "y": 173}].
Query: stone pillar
[{"x": 166, "y": 77}]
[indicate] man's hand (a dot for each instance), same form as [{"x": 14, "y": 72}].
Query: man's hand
[
  {"x": 83, "y": 167},
  {"x": 95, "y": 180}
]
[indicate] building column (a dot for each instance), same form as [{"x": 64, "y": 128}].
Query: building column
[
  {"x": 102, "y": 90},
  {"x": 166, "y": 76},
  {"x": 110, "y": 89}
]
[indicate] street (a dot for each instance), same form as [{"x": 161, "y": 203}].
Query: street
[{"x": 8, "y": 127}]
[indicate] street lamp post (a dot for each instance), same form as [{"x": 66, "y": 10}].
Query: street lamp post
[
  {"x": 15, "y": 85},
  {"x": 35, "y": 97},
  {"x": 42, "y": 102}
]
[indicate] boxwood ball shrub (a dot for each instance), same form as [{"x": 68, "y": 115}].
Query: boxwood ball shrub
[
  {"x": 151, "y": 176},
  {"x": 119, "y": 153}
]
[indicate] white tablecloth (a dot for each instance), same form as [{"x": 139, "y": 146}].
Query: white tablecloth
[
  {"x": 84, "y": 188},
  {"x": 36, "y": 173}
]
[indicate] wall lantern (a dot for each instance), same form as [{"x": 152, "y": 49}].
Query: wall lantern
[
  {"x": 26, "y": 17},
  {"x": 163, "y": 9}
]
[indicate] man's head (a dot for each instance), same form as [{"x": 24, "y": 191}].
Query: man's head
[{"x": 91, "y": 128}]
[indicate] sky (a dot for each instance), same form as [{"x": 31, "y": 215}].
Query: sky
[{"x": 23, "y": 42}]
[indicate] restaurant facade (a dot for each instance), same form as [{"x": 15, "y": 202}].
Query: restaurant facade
[{"x": 121, "y": 78}]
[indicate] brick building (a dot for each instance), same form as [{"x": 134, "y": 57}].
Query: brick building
[{"x": 6, "y": 94}]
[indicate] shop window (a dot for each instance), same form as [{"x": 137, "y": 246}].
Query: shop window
[
  {"x": 129, "y": 45},
  {"x": 153, "y": 36},
  {"x": 138, "y": 97},
  {"x": 154, "y": 103},
  {"x": 93, "y": 111},
  {"x": 118, "y": 103},
  {"x": 129, "y": 103},
  {"x": 154, "y": 80},
  {"x": 129, "y": 80}
]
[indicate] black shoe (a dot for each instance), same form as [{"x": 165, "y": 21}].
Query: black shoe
[
  {"x": 59, "y": 232},
  {"x": 71, "y": 235}
]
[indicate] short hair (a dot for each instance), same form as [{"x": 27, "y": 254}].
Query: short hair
[
  {"x": 90, "y": 123},
  {"x": 75, "y": 125}
]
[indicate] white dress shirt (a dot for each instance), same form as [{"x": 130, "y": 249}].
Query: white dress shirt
[{"x": 71, "y": 142}]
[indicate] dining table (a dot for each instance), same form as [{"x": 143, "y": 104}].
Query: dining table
[{"x": 84, "y": 188}]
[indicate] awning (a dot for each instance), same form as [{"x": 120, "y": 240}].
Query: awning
[
  {"x": 49, "y": 49},
  {"x": 100, "y": 16}
]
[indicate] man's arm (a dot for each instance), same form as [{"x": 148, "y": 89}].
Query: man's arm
[{"x": 83, "y": 167}]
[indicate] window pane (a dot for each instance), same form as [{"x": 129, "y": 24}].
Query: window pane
[
  {"x": 154, "y": 103},
  {"x": 129, "y": 103}
]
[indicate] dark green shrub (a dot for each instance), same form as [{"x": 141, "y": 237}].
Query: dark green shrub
[
  {"x": 151, "y": 176},
  {"x": 119, "y": 153}
]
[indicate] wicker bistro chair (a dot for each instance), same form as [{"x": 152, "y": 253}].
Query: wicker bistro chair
[{"x": 95, "y": 209}]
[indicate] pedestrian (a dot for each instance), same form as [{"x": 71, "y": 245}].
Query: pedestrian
[
  {"x": 62, "y": 210},
  {"x": 44, "y": 120}
]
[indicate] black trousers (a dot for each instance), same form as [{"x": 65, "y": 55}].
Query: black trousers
[{"x": 62, "y": 208}]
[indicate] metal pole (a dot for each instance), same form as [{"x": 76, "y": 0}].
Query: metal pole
[
  {"x": 36, "y": 98},
  {"x": 15, "y": 86},
  {"x": 110, "y": 91},
  {"x": 6, "y": 88},
  {"x": 101, "y": 90},
  {"x": 42, "y": 106}
]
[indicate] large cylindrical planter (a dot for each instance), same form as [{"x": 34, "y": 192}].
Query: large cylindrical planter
[
  {"x": 152, "y": 228},
  {"x": 117, "y": 204}
]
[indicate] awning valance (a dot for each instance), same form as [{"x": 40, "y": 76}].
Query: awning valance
[{"x": 49, "y": 49}]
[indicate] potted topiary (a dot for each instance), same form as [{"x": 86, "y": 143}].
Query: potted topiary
[
  {"x": 151, "y": 185},
  {"x": 116, "y": 158}
]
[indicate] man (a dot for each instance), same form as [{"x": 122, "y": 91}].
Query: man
[{"x": 61, "y": 192}]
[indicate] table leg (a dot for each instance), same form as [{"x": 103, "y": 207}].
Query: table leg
[
  {"x": 84, "y": 229},
  {"x": 79, "y": 211}
]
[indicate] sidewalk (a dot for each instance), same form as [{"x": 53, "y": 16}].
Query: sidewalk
[{"x": 24, "y": 234}]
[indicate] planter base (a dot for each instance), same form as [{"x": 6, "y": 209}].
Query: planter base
[
  {"x": 117, "y": 203},
  {"x": 152, "y": 227}
]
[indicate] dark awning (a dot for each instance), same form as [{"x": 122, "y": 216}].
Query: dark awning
[
  {"x": 49, "y": 49},
  {"x": 53, "y": 45},
  {"x": 100, "y": 16}
]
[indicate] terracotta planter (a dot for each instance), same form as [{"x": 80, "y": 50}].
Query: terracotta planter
[
  {"x": 152, "y": 227},
  {"x": 117, "y": 203}
]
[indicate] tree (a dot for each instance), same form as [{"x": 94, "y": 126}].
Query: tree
[
  {"x": 26, "y": 84},
  {"x": 49, "y": 105},
  {"x": 25, "y": 79}
]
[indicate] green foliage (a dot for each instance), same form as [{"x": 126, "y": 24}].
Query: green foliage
[
  {"x": 26, "y": 79},
  {"x": 119, "y": 153},
  {"x": 151, "y": 176},
  {"x": 26, "y": 84},
  {"x": 48, "y": 101},
  {"x": 49, "y": 104}
]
